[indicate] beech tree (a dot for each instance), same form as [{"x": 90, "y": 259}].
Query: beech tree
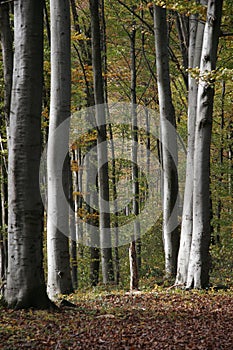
[
  {"x": 59, "y": 274},
  {"x": 25, "y": 280},
  {"x": 199, "y": 260},
  {"x": 194, "y": 258},
  {"x": 196, "y": 31},
  {"x": 168, "y": 144}
]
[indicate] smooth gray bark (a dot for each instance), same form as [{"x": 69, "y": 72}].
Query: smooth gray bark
[
  {"x": 199, "y": 264},
  {"x": 196, "y": 30},
  {"x": 169, "y": 143},
  {"x": 59, "y": 274},
  {"x": 25, "y": 280}
]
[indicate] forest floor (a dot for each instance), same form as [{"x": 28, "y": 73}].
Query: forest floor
[{"x": 159, "y": 319}]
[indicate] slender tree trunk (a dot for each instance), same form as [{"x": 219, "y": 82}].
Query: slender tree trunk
[
  {"x": 105, "y": 71},
  {"x": 3, "y": 222},
  {"x": 72, "y": 230},
  {"x": 230, "y": 166},
  {"x": 169, "y": 144},
  {"x": 221, "y": 151},
  {"x": 116, "y": 223},
  {"x": 74, "y": 15},
  {"x": 46, "y": 19},
  {"x": 182, "y": 24},
  {"x": 25, "y": 280},
  {"x": 59, "y": 274},
  {"x": 199, "y": 264},
  {"x": 134, "y": 275},
  {"x": 102, "y": 153},
  {"x": 79, "y": 183},
  {"x": 92, "y": 216}
]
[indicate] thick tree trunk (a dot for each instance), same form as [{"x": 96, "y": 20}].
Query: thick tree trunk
[
  {"x": 196, "y": 31},
  {"x": 25, "y": 279},
  {"x": 169, "y": 144},
  {"x": 199, "y": 264},
  {"x": 59, "y": 274},
  {"x": 102, "y": 152}
]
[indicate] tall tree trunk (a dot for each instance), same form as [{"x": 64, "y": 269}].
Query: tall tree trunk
[
  {"x": 25, "y": 280},
  {"x": 199, "y": 264},
  {"x": 169, "y": 144},
  {"x": 134, "y": 278},
  {"x": 102, "y": 152},
  {"x": 59, "y": 274},
  {"x": 105, "y": 71},
  {"x": 196, "y": 31}
]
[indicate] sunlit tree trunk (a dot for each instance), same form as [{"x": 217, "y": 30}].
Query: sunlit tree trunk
[
  {"x": 59, "y": 274},
  {"x": 196, "y": 30},
  {"x": 169, "y": 144},
  {"x": 199, "y": 264},
  {"x": 25, "y": 280}
]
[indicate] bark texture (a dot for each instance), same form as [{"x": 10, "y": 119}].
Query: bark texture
[
  {"x": 25, "y": 279},
  {"x": 169, "y": 144},
  {"x": 59, "y": 274},
  {"x": 196, "y": 30},
  {"x": 199, "y": 264}
]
